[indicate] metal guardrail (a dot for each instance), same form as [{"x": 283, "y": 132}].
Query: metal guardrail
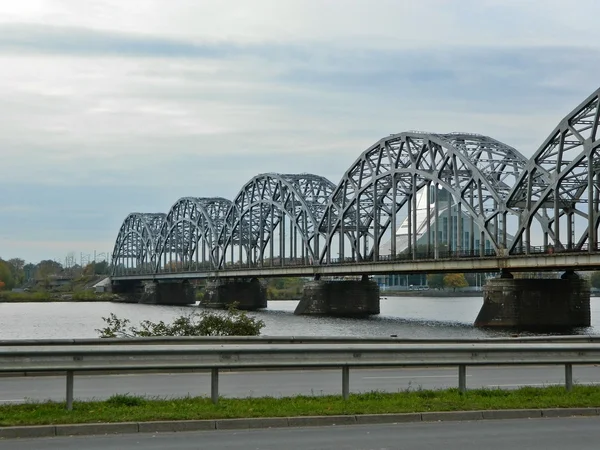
[
  {"x": 242, "y": 340},
  {"x": 93, "y": 358}
]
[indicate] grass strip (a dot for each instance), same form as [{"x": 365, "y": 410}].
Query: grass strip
[{"x": 126, "y": 408}]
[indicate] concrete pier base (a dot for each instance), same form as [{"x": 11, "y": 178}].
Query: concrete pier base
[
  {"x": 540, "y": 304},
  {"x": 348, "y": 298},
  {"x": 127, "y": 291},
  {"x": 171, "y": 293},
  {"x": 154, "y": 293},
  {"x": 249, "y": 295}
]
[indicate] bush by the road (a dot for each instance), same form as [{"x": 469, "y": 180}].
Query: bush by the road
[{"x": 204, "y": 323}]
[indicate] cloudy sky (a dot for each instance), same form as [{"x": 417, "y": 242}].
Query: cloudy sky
[{"x": 115, "y": 106}]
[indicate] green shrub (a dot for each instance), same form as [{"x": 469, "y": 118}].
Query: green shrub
[{"x": 205, "y": 323}]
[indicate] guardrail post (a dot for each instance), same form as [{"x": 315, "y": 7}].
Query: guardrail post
[
  {"x": 214, "y": 385},
  {"x": 345, "y": 382},
  {"x": 568, "y": 377},
  {"x": 462, "y": 378},
  {"x": 69, "y": 390}
]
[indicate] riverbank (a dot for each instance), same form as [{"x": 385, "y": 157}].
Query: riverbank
[
  {"x": 401, "y": 293},
  {"x": 124, "y": 408},
  {"x": 32, "y": 297},
  {"x": 56, "y": 297}
]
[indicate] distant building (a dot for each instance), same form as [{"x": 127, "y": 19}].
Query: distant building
[
  {"x": 447, "y": 236},
  {"x": 443, "y": 229}
]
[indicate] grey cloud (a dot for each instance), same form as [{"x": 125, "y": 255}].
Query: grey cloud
[
  {"x": 30, "y": 38},
  {"x": 64, "y": 40},
  {"x": 463, "y": 77},
  {"x": 460, "y": 73}
]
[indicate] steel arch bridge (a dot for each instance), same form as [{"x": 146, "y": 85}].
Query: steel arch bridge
[{"x": 457, "y": 195}]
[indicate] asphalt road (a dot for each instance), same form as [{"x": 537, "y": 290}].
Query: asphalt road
[
  {"x": 531, "y": 434},
  {"x": 286, "y": 383}
]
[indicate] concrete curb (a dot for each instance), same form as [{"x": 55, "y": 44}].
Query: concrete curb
[{"x": 88, "y": 429}]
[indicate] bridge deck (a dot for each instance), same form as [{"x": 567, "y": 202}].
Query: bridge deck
[{"x": 524, "y": 263}]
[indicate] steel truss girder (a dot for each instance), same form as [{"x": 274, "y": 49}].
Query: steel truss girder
[
  {"x": 561, "y": 181},
  {"x": 476, "y": 170},
  {"x": 136, "y": 242},
  {"x": 261, "y": 205},
  {"x": 190, "y": 223}
]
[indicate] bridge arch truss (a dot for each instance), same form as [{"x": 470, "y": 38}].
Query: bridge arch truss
[
  {"x": 476, "y": 171},
  {"x": 562, "y": 183},
  {"x": 135, "y": 245},
  {"x": 274, "y": 220},
  {"x": 189, "y": 237}
]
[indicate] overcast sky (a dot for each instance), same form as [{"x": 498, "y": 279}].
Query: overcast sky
[{"x": 110, "y": 107}]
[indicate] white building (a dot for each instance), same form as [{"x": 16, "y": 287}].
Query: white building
[
  {"x": 402, "y": 234},
  {"x": 402, "y": 237}
]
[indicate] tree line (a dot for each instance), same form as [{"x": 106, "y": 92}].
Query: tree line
[
  {"x": 12, "y": 273},
  {"x": 15, "y": 272}
]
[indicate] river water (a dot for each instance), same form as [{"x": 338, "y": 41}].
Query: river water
[{"x": 406, "y": 317}]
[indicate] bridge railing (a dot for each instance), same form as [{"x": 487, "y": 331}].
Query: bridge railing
[
  {"x": 122, "y": 357},
  {"x": 553, "y": 249},
  {"x": 192, "y": 267}
]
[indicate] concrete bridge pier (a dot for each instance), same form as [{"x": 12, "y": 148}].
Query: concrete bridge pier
[
  {"x": 344, "y": 298},
  {"x": 249, "y": 294},
  {"x": 535, "y": 304},
  {"x": 155, "y": 293},
  {"x": 128, "y": 291},
  {"x": 168, "y": 293}
]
